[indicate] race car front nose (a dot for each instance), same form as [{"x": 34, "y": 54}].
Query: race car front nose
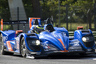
[
  {"x": 49, "y": 47},
  {"x": 75, "y": 46},
  {"x": 75, "y": 49}
]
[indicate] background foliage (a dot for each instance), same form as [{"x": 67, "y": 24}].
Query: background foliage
[{"x": 79, "y": 11}]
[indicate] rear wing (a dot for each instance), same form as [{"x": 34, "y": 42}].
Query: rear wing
[{"x": 15, "y": 24}]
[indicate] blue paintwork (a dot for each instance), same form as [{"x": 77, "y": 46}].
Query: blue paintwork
[
  {"x": 62, "y": 33},
  {"x": 53, "y": 39},
  {"x": 10, "y": 35},
  {"x": 47, "y": 38},
  {"x": 62, "y": 29},
  {"x": 78, "y": 35}
]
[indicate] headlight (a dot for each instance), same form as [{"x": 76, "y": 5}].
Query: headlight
[
  {"x": 37, "y": 42},
  {"x": 85, "y": 39}
]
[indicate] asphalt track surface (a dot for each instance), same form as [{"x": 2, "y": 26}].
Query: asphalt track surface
[{"x": 65, "y": 59}]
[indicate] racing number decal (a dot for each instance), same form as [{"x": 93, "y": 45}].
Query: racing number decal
[{"x": 9, "y": 46}]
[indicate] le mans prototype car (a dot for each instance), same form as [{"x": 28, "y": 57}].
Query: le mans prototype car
[{"x": 45, "y": 40}]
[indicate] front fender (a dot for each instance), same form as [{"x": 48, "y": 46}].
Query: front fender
[
  {"x": 8, "y": 35},
  {"x": 28, "y": 35},
  {"x": 78, "y": 34}
]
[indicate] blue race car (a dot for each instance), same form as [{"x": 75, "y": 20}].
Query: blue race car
[
  {"x": 45, "y": 40},
  {"x": 57, "y": 40}
]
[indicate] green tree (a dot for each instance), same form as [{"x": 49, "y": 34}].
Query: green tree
[
  {"x": 83, "y": 9},
  {"x": 32, "y": 8},
  {"x": 49, "y": 8},
  {"x": 86, "y": 6},
  {"x": 36, "y": 8},
  {"x": 4, "y": 10}
]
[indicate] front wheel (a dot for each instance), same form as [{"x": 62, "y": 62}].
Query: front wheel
[
  {"x": 23, "y": 48},
  {"x": 24, "y": 51}
]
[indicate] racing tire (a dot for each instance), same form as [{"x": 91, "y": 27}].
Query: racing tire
[
  {"x": 3, "y": 52},
  {"x": 23, "y": 48}
]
